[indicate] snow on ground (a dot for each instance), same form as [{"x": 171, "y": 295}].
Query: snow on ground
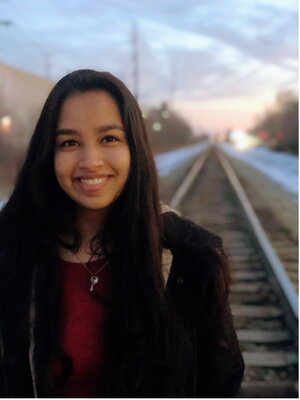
[
  {"x": 168, "y": 162},
  {"x": 280, "y": 167}
]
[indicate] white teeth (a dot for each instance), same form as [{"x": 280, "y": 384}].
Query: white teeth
[{"x": 93, "y": 181}]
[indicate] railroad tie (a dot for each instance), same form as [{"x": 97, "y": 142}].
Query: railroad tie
[
  {"x": 243, "y": 258},
  {"x": 240, "y": 310},
  {"x": 266, "y": 389},
  {"x": 248, "y": 275},
  {"x": 248, "y": 287},
  {"x": 270, "y": 358},
  {"x": 241, "y": 266},
  {"x": 263, "y": 336}
]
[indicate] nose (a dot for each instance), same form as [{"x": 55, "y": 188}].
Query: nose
[{"x": 91, "y": 157}]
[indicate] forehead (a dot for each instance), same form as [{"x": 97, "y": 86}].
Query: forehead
[{"x": 89, "y": 106}]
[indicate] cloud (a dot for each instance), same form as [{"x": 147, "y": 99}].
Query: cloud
[
  {"x": 188, "y": 50},
  {"x": 260, "y": 29}
]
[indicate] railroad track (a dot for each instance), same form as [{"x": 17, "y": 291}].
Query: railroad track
[{"x": 264, "y": 310}]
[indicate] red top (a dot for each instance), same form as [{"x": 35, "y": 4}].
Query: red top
[{"x": 84, "y": 324}]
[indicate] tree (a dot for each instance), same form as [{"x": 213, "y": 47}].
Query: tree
[
  {"x": 280, "y": 123},
  {"x": 166, "y": 129}
]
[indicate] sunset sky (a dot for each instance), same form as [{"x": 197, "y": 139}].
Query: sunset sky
[{"x": 219, "y": 63}]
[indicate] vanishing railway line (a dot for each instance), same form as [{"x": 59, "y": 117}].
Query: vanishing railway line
[{"x": 263, "y": 307}]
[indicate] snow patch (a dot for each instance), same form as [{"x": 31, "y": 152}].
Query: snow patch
[
  {"x": 168, "y": 162},
  {"x": 279, "y": 167}
]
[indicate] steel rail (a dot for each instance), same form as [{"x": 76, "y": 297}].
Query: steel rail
[
  {"x": 189, "y": 179},
  {"x": 276, "y": 265},
  {"x": 269, "y": 252},
  {"x": 257, "y": 385}
]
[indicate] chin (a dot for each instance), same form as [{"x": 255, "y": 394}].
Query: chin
[{"x": 96, "y": 206}]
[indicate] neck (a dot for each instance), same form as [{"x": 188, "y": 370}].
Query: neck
[{"x": 89, "y": 222}]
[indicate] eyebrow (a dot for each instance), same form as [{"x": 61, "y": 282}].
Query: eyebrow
[{"x": 101, "y": 129}]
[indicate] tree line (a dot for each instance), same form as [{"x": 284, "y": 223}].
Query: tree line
[
  {"x": 278, "y": 125},
  {"x": 167, "y": 130}
]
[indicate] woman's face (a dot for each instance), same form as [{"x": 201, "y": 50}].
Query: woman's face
[{"x": 92, "y": 158}]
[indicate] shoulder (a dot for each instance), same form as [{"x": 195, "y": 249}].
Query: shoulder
[
  {"x": 196, "y": 252},
  {"x": 182, "y": 233}
]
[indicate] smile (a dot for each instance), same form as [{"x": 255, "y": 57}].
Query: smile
[
  {"x": 93, "y": 181},
  {"x": 92, "y": 185}
]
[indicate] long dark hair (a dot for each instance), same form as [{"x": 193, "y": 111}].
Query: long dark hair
[{"x": 39, "y": 213}]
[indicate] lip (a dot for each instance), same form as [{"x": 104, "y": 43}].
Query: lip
[{"x": 92, "y": 187}]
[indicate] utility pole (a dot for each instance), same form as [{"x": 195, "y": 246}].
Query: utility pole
[
  {"x": 173, "y": 81},
  {"x": 135, "y": 60}
]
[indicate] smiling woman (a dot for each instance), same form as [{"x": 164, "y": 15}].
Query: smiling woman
[
  {"x": 92, "y": 157},
  {"x": 102, "y": 293}
]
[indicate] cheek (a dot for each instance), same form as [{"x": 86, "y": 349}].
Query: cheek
[
  {"x": 120, "y": 160},
  {"x": 61, "y": 167}
]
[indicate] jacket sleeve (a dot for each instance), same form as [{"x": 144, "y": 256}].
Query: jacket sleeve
[
  {"x": 199, "y": 287},
  {"x": 219, "y": 360}
]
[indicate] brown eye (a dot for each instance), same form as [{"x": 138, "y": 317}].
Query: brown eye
[
  {"x": 110, "y": 138},
  {"x": 68, "y": 143}
]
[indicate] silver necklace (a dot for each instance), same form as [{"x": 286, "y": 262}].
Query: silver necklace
[{"x": 94, "y": 278}]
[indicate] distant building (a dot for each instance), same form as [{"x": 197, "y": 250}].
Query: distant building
[{"x": 22, "y": 95}]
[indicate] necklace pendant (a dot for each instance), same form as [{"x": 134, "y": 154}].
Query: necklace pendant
[{"x": 94, "y": 280}]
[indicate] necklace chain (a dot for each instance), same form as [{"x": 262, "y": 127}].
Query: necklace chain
[{"x": 94, "y": 278}]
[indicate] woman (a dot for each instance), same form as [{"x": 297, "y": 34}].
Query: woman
[{"x": 88, "y": 309}]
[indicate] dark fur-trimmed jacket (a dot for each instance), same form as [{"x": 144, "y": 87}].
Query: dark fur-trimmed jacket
[{"x": 193, "y": 270}]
